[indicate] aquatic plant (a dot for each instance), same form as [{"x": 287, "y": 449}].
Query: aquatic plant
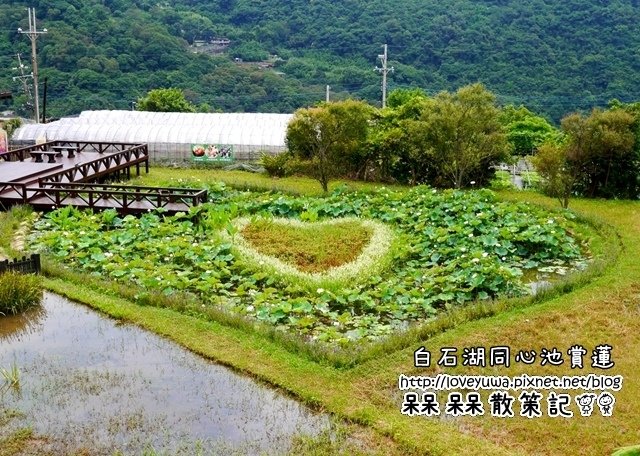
[
  {"x": 11, "y": 376},
  {"x": 19, "y": 292},
  {"x": 451, "y": 248}
]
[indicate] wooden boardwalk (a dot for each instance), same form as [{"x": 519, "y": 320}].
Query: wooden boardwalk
[{"x": 61, "y": 173}]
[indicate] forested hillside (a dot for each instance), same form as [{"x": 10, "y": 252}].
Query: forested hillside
[{"x": 550, "y": 55}]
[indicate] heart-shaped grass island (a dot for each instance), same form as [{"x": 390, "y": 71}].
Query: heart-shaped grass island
[
  {"x": 310, "y": 247},
  {"x": 317, "y": 254}
]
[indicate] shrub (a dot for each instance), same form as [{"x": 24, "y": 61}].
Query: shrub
[
  {"x": 19, "y": 292},
  {"x": 278, "y": 165},
  {"x": 502, "y": 181}
]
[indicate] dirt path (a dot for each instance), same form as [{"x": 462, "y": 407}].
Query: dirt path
[{"x": 17, "y": 243}]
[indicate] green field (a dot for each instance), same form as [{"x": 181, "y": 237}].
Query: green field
[{"x": 597, "y": 306}]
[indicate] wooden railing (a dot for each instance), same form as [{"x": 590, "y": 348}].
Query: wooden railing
[
  {"x": 22, "y": 154},
  {"x": 103, "y": 165},
  {"x": 25, "y": 265},
  {"x": 123, "y": 198},
  {"x": 70, "y": 187},
  {"x": 19, "y": 189}
]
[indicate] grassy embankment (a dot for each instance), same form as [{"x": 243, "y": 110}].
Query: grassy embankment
[
  {"x": 249, "y": 181},
  {"x": 17, "y": 293},
  {"x": 602, "y": 311}
]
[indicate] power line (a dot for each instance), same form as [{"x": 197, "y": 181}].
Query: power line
[{"x": 23, "y": 78}]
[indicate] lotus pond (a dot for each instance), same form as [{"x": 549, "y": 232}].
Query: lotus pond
[{"x": 427, "y": 251}]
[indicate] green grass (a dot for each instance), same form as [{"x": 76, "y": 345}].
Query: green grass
[
  {"x": 16, "y": 443},
  {"x": 601, "y": 306},
  {"x": 244, "y": 180},
  {"x": 628, "y": 451},
  {"x": 11, "y": 375},
  {"x": 19, "y": 292},
  {"x": 9, "y": 224},
  {"x": 313, "y": 248}
]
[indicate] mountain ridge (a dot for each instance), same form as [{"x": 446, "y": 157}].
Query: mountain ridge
[{"x": 554, "y": 57}]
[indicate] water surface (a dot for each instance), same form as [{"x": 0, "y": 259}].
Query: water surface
[{"x": 90, "y": 382}]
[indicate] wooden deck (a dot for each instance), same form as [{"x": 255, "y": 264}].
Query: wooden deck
[{"x": 78, "y": 178}]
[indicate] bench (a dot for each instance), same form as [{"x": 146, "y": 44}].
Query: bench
[
  {"x": 37, "y": 154},
  {"x": 71, "y": 150}
]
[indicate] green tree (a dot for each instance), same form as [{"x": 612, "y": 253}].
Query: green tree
[
  {"x": 11, "y": 125},
  {"x": 463, "y": 136},
  {"x": 330, "y": 138},
  {"x": 397, "y": 141},
  {"x": 601, "y": 149},
  {"x": 399, "y": 97},
  {"x": 558, "y": 174},
  {"x": 525, "y": 130},
  {"x": 165, "y": 100}
]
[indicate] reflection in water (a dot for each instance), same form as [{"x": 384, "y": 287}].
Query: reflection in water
[
  {"x": 12, "y": 327},
  {"x": 88, "y": 382}
]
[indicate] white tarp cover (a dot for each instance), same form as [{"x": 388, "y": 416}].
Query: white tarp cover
[{"x": 169, "y": 134}]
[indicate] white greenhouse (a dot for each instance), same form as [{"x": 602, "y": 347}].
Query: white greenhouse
[{"x": 171, "y": 136}]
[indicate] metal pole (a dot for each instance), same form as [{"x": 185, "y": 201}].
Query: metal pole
[
  {"x": 34, "y": 60},
  {"x": 32, "y": 34},
  {"x": 384, "y": 78},
  {"x": 44, "y": 102},
  {"x": 384, "y": 70}
]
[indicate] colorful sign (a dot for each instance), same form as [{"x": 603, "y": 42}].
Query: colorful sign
[
  {"x": 211, "y": 153},
  {"x": 4, "y": 143}
]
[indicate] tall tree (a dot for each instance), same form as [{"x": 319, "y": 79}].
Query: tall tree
[
  {"x": 464, "y": 136},
  {"x": 558, "y": 173},
  {"x": 525, "y": 130},
  {"x": 397, "y": 141},
  {"x": 601, "y": 149},
  {"x": 330, "y": 138}
]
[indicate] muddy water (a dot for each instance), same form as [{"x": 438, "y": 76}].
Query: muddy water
[{"x": 89, "y": 382}]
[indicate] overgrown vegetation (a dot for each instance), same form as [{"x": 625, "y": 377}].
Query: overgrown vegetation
[
  {"x": 9, "y": 223},
  {"x": 18, "y": 292},
  {"x": 16, "y": 443},
  {"x": 554, "y": 57},
  {"x": 278, "y": 165},
  {"x": 459, "y": 247},
  {"x": 585, "y": 312},
  {"x": 597, "y": 156},
  {"x": 457, "y": 140},
  {"x": 450, "y": 140}
]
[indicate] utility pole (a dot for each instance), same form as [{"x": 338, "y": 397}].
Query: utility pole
[
  {"x": 44, "y": 102},
  {"x": 328, "y": 96},
  {"x": 23, "y": 79},
  {"x": 384, "y": 70},
  {"x": 32, "y": 34}
]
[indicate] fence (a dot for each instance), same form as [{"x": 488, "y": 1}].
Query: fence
[{"x": 24, "y": 265}]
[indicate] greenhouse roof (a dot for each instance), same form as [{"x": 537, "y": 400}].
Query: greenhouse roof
[{"x": 164, "y": 127}]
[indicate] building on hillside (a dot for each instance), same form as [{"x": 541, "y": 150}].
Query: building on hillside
[{"x": 172, "y": 137}]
